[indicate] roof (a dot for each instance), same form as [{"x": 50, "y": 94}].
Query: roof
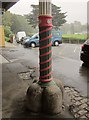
[{"x": 7, "y": 5}]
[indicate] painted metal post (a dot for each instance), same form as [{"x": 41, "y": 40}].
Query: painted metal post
[
  {"x": 2, "y": 37},
  {"x": 45, "y": 47}
]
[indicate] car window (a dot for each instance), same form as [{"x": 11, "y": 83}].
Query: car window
[
  {"x": 87, "y": 41},
  {"x": 55, "y": 33},
  {"x": 35, "y": 35}
]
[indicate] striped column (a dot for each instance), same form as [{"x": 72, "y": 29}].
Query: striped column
[{"x": 45, "y": 42}]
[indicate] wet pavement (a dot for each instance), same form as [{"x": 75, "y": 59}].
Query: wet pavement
[
  {"x": 71, "y": 73},
  {"x": 66, "y": 67},
  {"x": 78, "y": 106},
  {"x": 66, "y": 64}
]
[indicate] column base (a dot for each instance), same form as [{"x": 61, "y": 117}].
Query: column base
[{"x": 48, "y": 99}]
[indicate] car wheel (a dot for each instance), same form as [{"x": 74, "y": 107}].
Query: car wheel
[
  {"x": 84, "y": 64},
  {"x": 56, "y": 43},
  {"x": 33, "y": 45},
  {"x": 17, "y": 41},
  {"x": 24, "y": 46}
]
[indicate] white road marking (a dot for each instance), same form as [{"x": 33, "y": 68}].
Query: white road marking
[
  {"x": 75, "y": 49},
  {"x": 3, "y": 60}
]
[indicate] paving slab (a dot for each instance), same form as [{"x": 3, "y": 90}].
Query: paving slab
[{"x": 16, "y": 67}]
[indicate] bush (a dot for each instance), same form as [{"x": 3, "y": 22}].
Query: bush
[
  {"x": 7, "y": 31},
  {"x": 7, "y": 39}
]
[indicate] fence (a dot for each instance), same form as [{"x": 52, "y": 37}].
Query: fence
[{"x": 73, "y": 41}]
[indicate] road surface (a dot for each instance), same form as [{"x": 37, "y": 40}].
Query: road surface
[{"x": 67, "y": 66}]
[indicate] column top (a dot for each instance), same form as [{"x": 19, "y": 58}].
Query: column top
[{"x": 45, "y": 0}]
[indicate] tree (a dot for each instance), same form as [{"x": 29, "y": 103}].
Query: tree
[
  {"x": 32, "y": 17},
  {"x": 7, "y": 19},
  {"x": 14, "y": 23},
  {"x": 72, "y": 28},
  {"x": 58, "y": 16},
  {"x": 7, "y": 30},
  {"x": 75, "y": 27},
  {"x": 19, "y": 23},
  {"x": 7, "y": 22},
  {"x": 66, "y": 28}
]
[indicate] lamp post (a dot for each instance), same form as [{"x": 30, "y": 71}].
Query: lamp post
[{"x": 46, "y": 95}]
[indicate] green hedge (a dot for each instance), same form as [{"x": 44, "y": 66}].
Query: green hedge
[
  {"x": 73, "y": 41},
  {"x": 74, "y": 38}
]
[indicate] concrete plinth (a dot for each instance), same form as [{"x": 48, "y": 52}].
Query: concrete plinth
[
  {"x": 34, "y": 98},
  {"x": 52, "y": 100},
  {"x": 48, "y": 99}
]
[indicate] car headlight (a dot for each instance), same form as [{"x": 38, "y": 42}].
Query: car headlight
[{"x": 26, "y": 40}]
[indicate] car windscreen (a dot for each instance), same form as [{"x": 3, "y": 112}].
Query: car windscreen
[{"x": 87, "y": 41}]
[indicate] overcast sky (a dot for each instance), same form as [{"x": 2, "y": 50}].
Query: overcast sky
[{"x": 76, "y": 9}]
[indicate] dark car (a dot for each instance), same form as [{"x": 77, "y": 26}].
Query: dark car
[
  {"x": 34, "y": 40},
  {"x": 84, "y": 55}
]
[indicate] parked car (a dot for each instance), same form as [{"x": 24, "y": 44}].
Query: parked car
[
  {"x": 20, "y": 35},
  {"x": 84, "y": 55},
  {"x": 24, "y": 39},
  {"x": 34, "y": 40}
]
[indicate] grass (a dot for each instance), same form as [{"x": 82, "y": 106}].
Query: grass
[{"x": 75, "y": 36}]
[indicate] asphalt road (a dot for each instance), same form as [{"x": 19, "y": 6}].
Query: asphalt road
[{"x": 67, "y": 66}]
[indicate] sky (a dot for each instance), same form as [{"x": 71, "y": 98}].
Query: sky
[{"x": 76, "y": 9}]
